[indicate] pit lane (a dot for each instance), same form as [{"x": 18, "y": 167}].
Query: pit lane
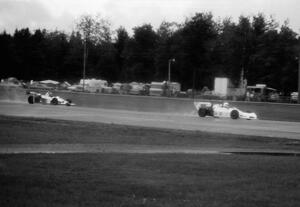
[{"x": 276, "y": 129}]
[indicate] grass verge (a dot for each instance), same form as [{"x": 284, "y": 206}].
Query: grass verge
[
  {"x": 148, "y": 180},
  {"x": 142, "y": 179}
]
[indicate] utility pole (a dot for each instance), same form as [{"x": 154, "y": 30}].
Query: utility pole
[
  {"x": 242, "y": 78},
  {"x": 84, "y": 63},
  {"x": 299, "y": 79},
  {"x": 194, "y": 80},
  {"x": 169, "y": 69}
]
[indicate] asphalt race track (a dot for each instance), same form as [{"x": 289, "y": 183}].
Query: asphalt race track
[{"x": 265, "y": 128}]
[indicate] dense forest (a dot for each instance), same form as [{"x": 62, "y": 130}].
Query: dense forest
[{"x": 202, "y": 47}]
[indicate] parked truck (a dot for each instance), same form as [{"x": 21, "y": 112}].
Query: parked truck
[
  {"x": 164, "y": 88},
  {"x": 260, "y": 92}
]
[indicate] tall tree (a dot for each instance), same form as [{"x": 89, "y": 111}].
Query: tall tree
[
  {"x": 7, "y": 56},
  {"x": 289, "y": 51},
  {"x": 222, "y": 56},
  {"x": 140, "y": 52},
  {"x": 38, "y": 55},
  {"x": 164, "y": 51},
  {"x": 74, "y": 57},
  {"x": 195, "y": 42},
  {"x": 120, "y": 44},
  {"x": 95, "y": 30},
  {"x": 23, "y": 48},
  {"x": 56, "y": 52}
]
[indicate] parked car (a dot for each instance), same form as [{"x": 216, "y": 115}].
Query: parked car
[
  {"x": 294, "y": 97},
  {"x": 107, "y": 89},
  {"x": 116, "y": 88},
  {"x": 135, "y": 88},
  {"x": 76, "y": 88},
  {"x": 157, "y": 88}
]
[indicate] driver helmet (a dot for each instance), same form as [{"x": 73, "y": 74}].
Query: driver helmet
[
  {"x": 49, "y": 93},
  {"x": 226, "y": 104}
]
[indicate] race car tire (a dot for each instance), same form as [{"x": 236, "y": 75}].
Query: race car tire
[
  {"x": 54, "y": 101},
  {"x": 31, "y": 100},
  {"x": 69, "y": 102},
  {"x": 234, "y": 114},
  {"x": 37, "y": 99},
  {"x": 202, "y": 112}
]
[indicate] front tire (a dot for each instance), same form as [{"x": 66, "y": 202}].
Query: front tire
[
  {"x": 234, "y": 114},
  {"x": 202, "y": 112},
  {"x": 31, "y": 100},
  {"x": 54, "y": 101},
  {"x": 69, "y": 102}
]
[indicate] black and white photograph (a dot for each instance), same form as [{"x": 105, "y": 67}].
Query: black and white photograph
[{"x": 156, "y": 103}]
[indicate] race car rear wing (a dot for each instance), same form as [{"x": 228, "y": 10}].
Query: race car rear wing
[{"x": 199, "y": 105}]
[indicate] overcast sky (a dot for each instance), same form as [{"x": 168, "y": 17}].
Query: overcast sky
[{"x": 61, "y": 14}]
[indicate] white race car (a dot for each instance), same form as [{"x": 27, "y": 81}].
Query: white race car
[
  {"x": 222, "y": 110},
  {"x": 48, "y": 98}
]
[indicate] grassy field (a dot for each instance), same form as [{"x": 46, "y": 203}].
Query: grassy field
[
  {"x": 120, "y": 179},
  {"x": 148, "y": 180}
]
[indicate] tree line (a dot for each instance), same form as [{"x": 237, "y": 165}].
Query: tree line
[{"x": 203, "y": 48}]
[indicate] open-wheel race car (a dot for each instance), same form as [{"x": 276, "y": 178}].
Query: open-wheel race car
[
  {"x": 222, "y": 110},
  {"x": 47, "y": 98}
]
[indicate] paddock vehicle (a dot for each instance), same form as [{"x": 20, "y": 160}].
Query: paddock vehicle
[
  {"x": 47, "y": 98},
  {"x": 222, "y": 110},
  {"x": 294, "y": 97}
]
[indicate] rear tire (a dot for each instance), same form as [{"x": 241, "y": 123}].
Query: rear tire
[
  {"x": 234, "y": 114},
  {"x": 54, "y": 101},
  {"x": 202, "y": 112},
  {"x": 31, "y": 100}
]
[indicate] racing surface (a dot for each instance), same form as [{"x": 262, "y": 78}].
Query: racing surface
[
  {"x": 264, "y": 128},
  {"x": 182, "y": 106},
  {"x": 135, "y": 149}
]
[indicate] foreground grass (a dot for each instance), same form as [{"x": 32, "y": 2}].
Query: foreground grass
[
  {"x": 141, "y": 179},
  {"x": 148, "y": 180}
]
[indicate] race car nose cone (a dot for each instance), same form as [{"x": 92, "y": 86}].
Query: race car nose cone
[{"x": 253, "y": 116}]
